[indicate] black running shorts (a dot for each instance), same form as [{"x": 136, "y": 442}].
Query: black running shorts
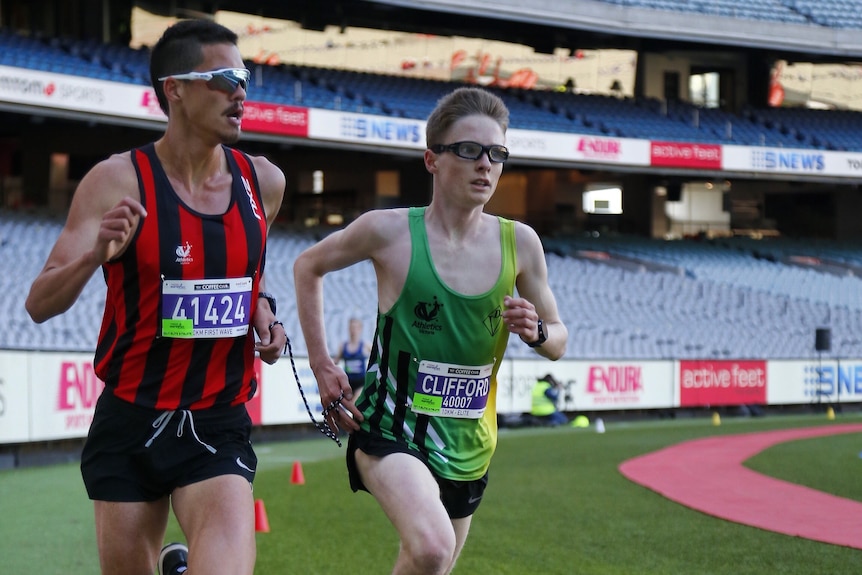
[
  {"x": 139, "y": 454},
  {"x": 459, "y": 498}
]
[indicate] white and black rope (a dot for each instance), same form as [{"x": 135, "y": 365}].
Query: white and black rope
[{"x": 321, "y": 426}]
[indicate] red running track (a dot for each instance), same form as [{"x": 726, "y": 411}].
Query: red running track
[{"x": 708, "y": 475}]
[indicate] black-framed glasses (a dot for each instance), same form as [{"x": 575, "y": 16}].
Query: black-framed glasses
[
  {"x": 473, "y": 151},
  {"x": 225, "y": 80}
]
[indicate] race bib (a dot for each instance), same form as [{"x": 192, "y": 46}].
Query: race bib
[
  {"x": 205, "y": 308},
  {"x": 448, "y": 390}
]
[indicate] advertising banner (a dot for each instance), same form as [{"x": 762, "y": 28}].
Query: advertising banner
[
  {"x": 814, "y": 381},
  {"x": 63, "y": 393},
  {"x": 281, "y": 401},
  {"x": 266, "y": 118},
  {"x": 573, "y": 147},
  {"x": 61, "y": 91},
  {"x": 75, "y": 93},
  {"x": 612, "y": 385},
  {"x": 720, "y": 382},
  {"x": 409, "y": 133},
  {"x": 516, "y": 379},
  {"x": 14, "y": 398},
  {"x": 792, "y": 161},
  {"x": 66, "y": 388},
  {"x": 366, "y": 129},
  {"x": 839, "y": 380},
  {"x": 685, "y": 155},
  {"x": 506, "y": 402},
  {"x": 138, "y": 102}
]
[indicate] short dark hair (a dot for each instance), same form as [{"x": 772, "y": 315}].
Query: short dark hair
[
  {"x": 460, "y": 103},
  {"x": 179, "y": 50}
]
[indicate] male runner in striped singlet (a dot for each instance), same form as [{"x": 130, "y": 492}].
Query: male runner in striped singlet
[
  {"x": 425, "y": 426},
  {"x": 179, "y": 228}
]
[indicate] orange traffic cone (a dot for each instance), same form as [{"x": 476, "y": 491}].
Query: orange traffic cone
[
  {"x": 296, "y": 477},
  {"x": 261, "y": 522}
]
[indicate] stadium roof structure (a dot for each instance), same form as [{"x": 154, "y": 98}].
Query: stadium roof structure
[{"x": 585, "y": 24}]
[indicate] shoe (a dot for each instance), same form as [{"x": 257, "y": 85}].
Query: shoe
[{"x": 173, "y": 559}]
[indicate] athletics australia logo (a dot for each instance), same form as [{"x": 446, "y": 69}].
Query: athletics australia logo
[
  {"x": 184, "y": 254},
  {"x": 493, "y": 321},
  {"x": 427, "y": 314}
]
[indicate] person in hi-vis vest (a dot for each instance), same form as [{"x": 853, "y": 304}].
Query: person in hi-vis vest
[{"x": 546, "y": 394}]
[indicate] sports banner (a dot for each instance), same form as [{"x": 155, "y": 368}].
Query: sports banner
[
  {"x": 14, "y": 398},
  {"x": 619, "y": 384},
  {"x": 63, "y": 393},
  {"x": 515, "y": 384},
  {"x": 281, "y": 402},
  {"x": 76, "y": 93},
  {"x": 685, "y": 155},
  {"x": 366, "y": 129},
  {"x": 264, "y": 118},
  {"x": 594, "y": 385},
  {"x": 719, "y": 382},
  {"x": 815, "y": 381}
]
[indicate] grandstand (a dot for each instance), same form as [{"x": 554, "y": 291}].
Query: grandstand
[
  {"x": 347, "y": 90},
  {"x": 623, "y": 295}
]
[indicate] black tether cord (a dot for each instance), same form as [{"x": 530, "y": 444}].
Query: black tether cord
[{"x": 321, "y": 426}]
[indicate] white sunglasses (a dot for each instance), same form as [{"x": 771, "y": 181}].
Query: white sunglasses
[{"x": 224, "y": 80}]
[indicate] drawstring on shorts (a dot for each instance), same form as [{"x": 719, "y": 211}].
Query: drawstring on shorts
[{"x": 161, "y": 422}]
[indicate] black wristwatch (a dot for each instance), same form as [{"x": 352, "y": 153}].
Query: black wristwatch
[
  {"x": 270, "y": 298},
  {"x": 542, "y": 336}
]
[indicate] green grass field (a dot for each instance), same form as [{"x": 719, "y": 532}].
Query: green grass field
[{"x": 556, "y": 504}]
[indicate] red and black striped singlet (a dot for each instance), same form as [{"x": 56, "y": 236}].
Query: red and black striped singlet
[{"x": 176, "y": 243}]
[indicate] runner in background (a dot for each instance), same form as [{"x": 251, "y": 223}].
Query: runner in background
[{"x": 354, "y": 353}]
